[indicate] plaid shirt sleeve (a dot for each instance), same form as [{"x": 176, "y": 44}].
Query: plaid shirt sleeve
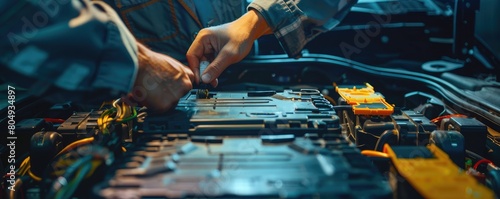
[{"x": 296, "y": 22}]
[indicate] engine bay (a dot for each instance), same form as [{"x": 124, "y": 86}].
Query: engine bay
[{"x": 400, "y": 100}]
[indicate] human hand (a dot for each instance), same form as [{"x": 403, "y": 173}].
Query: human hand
[
  {"x": 161, "y": 81},
  {"x": 224, "y": 45}
]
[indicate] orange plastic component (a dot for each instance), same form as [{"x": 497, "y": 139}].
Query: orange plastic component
[
  {"x": 438, "y": 177},
  {"x": 364, "y": 100}
]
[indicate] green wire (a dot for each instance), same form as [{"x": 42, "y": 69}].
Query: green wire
[
  {"x": 134, "y": 114},
  {"x": 68, "y": 190},
  {"x": 106, "y": 112},
  {"x": 111, "y": 110}
]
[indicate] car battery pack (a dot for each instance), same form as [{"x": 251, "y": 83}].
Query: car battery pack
[
  {"x": 244, "y": 145},
  {"x": 248, "y": 113},
  {"x": 184, "y": 166}
]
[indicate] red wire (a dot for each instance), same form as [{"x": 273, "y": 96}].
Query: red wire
[
  {"x": 480, "y": 162},
  {"x": 54, "y": 120},
  {"x": 438, "y": 119}
]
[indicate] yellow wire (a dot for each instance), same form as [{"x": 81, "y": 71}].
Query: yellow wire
[
  {"x": 106, "y": 118},
  {"x": 25, "y": 161},
  {"x": 124, "y": 112},
  {"x": 118, "y": 109},
  {"x": 372, "y": 153},
  {"x": 118, "y": 114},
  {"x": 100, "y": 121},
  {"x": 32, "y": 175},
  {"x": 24, "y": 170},
  {"x": 24, "y": 167},
  {"x": 76, "y": 143},
  {"x": 104, "y": 121}
]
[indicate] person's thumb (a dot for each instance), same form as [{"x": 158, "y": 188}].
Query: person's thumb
[{"x": 220, "y": 63}]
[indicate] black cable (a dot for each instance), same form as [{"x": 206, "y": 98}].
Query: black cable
[
  {"x": 476, "y": 157},
  {"x": 493, "y": 181},
  {"x": 396, "y": 73},
  {"x": 384, "y": 138},
  {"x": 436, "y": 84}
]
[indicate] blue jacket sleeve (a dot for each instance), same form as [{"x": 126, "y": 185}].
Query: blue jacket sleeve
[
  {"x": 71, "y": 49},
  {"x": 296, "y": 22}
]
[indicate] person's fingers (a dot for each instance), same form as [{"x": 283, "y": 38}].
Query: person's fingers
[
  {"x": 193, "y": 57},
  {"x": 180, "y": 68},
  {"x": 220, "y": 63},
  {"x": 190, "y": 75},
  {"x": 215, "y": 82},
  {"x": 201, "y": 49}
]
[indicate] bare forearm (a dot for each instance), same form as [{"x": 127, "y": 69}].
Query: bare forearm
[{"x": 257, "y": 23}]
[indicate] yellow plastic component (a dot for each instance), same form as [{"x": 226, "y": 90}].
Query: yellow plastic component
[
  {"x": 364, "y": 100},
  {"x": 438, "y": 177}
]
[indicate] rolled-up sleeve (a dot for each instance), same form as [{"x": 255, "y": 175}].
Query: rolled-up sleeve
[
  {"x": 75, "y": 47},
  {"x": 296, "y": 22}
]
